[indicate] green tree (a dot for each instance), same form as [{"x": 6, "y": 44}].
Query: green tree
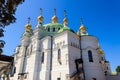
[
  {"x": 7, "y": 12},
  {"x": 118, "y": 69}
]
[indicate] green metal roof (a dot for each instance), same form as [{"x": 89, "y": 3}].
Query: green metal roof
[
  {"x": 57, "y": 25},
  {"x": 65, "y": 29}
]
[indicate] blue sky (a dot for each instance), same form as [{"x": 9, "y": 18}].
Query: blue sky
[{"x": 101, "y": 17}]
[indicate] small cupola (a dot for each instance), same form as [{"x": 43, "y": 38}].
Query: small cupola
[
  {"x": 82, "y": 30},
  {"x": 28, "y": 30},
  {"x": 65, "y": 20},
  {"x": 40, "y": 18},
  {"x": 54, "y": 18},
  {"x": 28, "y": 26}
]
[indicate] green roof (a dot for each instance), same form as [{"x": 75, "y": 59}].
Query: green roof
[
  {"x": 57, "y": 25},
  {"x": 65, "y": 29}
]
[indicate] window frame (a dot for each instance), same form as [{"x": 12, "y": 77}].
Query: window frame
[
  {"x": 90, "y": 56},
  {"x": 43, "y": 56},
  {"x": 48, "y": 29},
  {"x": 53, "y": 29},
  {"x": 58, "y": 78},
  {"x": 59, "y": 54}
]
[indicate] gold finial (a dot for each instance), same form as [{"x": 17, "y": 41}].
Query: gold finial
[
  {"x": 40, "y": 18},
  {"x": 65, "y": 20},
  {"x": 54, "y": 18},
  {"x": 82, "y": 27},
  {"x": 28, "y": 26}
]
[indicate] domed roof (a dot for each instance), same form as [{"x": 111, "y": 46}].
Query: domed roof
[
  {"x": 82, "y": 27},
  {"x": 56, "y": 25},
  {"x": 65, "y": 29},
  {"x": 40, "y": 18},
  {"x": 101, "y": 51},
  {"x": 54, "y": 18},
  {"x": 65, "y": 20},
  {"x": 28, "y": 26}
]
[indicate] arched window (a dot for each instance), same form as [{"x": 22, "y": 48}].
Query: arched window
[
  {"x": 31, "y": 49},
  {"x": 90, "y": 56},
  {"x": 53, "y": 29},
  {"x": 59, "y": 28},
  {"x": 93, "y": 78},
  {"x": 59, "y": 55},
  {"x": 25, "y": 76},
  {"x": 102, "y": 58},
  {"x": 107, "y": 67},
  {"x": 42, "y": 57},
  {"x": 14, "y": 69},
  {"x": 58, "y": 78},
  {"x": 48, "y": 29}
]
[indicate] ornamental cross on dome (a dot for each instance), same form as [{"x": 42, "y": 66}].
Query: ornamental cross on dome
[
  {"x": 81, "y": 21},
  {"x": 55, "y": 11},
  {"x": 64, "y": 13},
  {"x": 29, "y": 20},
  {"x": 40, "y": 11}
]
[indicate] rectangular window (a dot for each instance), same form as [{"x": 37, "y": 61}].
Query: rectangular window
[
  {"x": 59, "y": 54},
  {"x": 54, "y": 29},
  {"x": 90, "y": 56},
  {"x": 107, "y": 68},
  {"x": 14, "y": 70},
  {"x": 94, "y": 79},
  {"x": 25, "y": 76},
  {"x": 42, "y": 57},
  {"x": 59, "y": 78},
  {"x": 31, "y": 49},
  {"x": 48, "y": 29},
  {"x": 102, "y": 58}
]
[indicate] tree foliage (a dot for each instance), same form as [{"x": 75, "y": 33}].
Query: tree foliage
[
  {"x": 118, "y": 69},
  {"x": 7, "y": 11}
]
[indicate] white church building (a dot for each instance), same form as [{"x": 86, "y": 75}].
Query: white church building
[{"x": 53, "y": 51}]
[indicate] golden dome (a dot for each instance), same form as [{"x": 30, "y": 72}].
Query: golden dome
[
  {"x": 101, "y": 51},
  {"x": 82, "y": 27},
  {"x": 78, "y": 33},
  {"x": 40, "y": 18},
  {"x": 54, "y": 18},
  {"x": 28, "y": 26},
  {"x": 65, "y": 20}
]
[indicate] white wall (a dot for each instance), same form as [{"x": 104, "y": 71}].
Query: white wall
[{"x": 91, "y": 69}]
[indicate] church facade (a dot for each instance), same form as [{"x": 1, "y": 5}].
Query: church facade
[{"x": 55, "y": 52}]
